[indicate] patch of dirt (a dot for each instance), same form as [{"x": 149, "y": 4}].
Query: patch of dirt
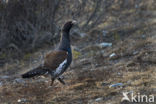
[
  {"x": 90, "y": 76},
  {"x": 92, "y": 72}
]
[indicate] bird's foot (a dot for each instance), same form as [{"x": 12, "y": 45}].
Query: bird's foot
[
  {"x": 61, "y": 80},
  {"x": 52, "y": 81}
]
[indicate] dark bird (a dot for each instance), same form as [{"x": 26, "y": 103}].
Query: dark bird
[{"x": 56, "y": 62}]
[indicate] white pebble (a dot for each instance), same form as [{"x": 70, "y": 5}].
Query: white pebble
[{"x": 112, "y": 55}]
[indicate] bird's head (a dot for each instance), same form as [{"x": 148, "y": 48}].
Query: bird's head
[{"x": 68, "y": 25}]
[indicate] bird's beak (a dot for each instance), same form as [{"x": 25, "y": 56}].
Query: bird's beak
[{"x": 74, "y": 22}]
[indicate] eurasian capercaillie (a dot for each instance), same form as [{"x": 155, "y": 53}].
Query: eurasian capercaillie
[{"x": 57, "y": 61}]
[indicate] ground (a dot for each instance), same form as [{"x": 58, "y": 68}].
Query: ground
[
  {"x": 130, "y": 62},
  {"x": 91, "y": 74}
]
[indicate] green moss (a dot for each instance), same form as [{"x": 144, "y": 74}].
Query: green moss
[
  {"x": 27, "y": 56},
  {"x": 92, "y": 53},
  {"x": 76, "y": 54},
  {"x": 3, "y": 55},
  {"x": 116, "y": 36}
]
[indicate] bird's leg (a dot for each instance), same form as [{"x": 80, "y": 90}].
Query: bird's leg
[
  {"x": 52, "y": 81},
  {"x": 52, "y": 78},
  {"x": 61, "y": 80}
]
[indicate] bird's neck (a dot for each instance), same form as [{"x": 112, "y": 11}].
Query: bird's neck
[
  {"x": 65, "y": 42},
  {"x": 65, "y": 46}
]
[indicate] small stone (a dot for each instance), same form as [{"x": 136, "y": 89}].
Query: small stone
[
  {"x": 83, "y": 35},
  {"x": 129, "y": 82},
  {"x": 143, "y": 36},
  {"x": 112, "y": 55},
  {"x": 19, "y": 80},
  {"x": 135, "y": 52},
  {"x": 1, "y": 83},
  {"x": 136, "y": 6},
  {"x": 4, "y": 77},
  {"x": 98, "y": 99},
  {"x": 104, "y": 44},
  {"x": 22, "y": 100},
  {"x": 46, "y": 81},
  {"x": 104, "y": 33},
  {"x": 116, "y": 85},
  {"x": 119, "y": 73},
  {"x": 104, "y": 84},
  {"x": 19, "y": 100}
]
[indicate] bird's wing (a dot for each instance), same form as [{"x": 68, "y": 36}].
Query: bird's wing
[{"x": 54, "y": 59}]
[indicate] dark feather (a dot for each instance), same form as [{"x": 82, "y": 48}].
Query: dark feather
[
  {"x": 54, "y": 59},
  {"x": 35, "y": 72}
]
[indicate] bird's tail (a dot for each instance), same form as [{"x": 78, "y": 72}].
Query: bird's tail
[{"x": 34, "y": 72}]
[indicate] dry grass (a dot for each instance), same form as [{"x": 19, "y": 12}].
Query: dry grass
[
  {"x": 91, "y": 74},
  {"x": 135, "y": 71}
]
